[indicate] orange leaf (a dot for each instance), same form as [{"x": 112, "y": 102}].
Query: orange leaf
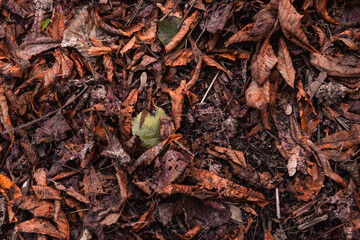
[
  {"x": 40, "y": 176},
  {"x": 144, "y": 219},
  {"x": 128, "y": 45},
  {"x": 284, "y": 64},
  {"x": 191, "y": 232},
  {"x": 185, "y": 27},
  {"x": 333, "y": 68},
  {"x": 127, "y": 109},
  {"x": 228, "y": 153},
  {"x": 268, "y": 235},
  {"x": 177, "y": 102},
  {"x": 211, "y": 62},
  {"x": 290, "y": 21},
  {"x": 262, "y": 63},
  {"x": 4, "y": 109},
  {"x": 57, "y": 25},
  {"x": 109, "y": 67},
  {"x": 98, "y": 51},
  {"x": 243, "y": 36},
  {"x": 179, "y": 58},
  {"x": 45, "y": 192},
  {"x": 320, "y": 6},
  {"x": 11, "y": 189}
]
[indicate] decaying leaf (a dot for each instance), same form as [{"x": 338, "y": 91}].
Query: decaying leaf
[
  {"x": 290, "y": 22},
  {"x": 185, "y": 27},
  {"x": 320, "y": 6},
  {"x": 284, "y": 64},
  {"x": 147, "y": 127},
  {"x": 127, "y": 109},
  {"x": 177, "y": 102},
  {"x": 331, "y": 67},
  {"x": 262, "y": 63}
]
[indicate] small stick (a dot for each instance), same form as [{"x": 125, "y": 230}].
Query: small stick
[
  {"x": 208, "y": 90},
  {"x": 71, "y": 99},
  {"x": 187, "y": 13},
  {"x": 184, "y": 148},
  {"x": 277, "y": 203}
]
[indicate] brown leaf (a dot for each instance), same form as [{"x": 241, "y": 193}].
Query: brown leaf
[
  {"x": 127, "y": 109},
  {"x": 45, "y": 192},
  {"x": 177, "y": 102},
  {"x": 216, "y": 20},
  {"x": 263, "y": 61},
  {"x": 38, "y": 225},
  {"x": 191, "y": 232},
  {"x": 331, "y": 67},
  {"x": 226, "y": 188},
  {"x": 4, "y": 109},
  {"x": 109, "y": 67},
  {"x": 256, "y": 96},
  {"x": 99, "y": 51},
  {"x": 268, "y": 235},
  {"x": 11, "y": 189},
  {"x": 290, "y": 22},
  {"x": 179, "y": 58},
  {"x": 92, "y": 183},
  {"x": 284, "y": 64},
  {"x": 40, "y": 208},
  {"x": 228, "y": 153},
  {"x": 320, "y": 6},
  {"x": 144, "y": 220},
  {"x": 243, "y": 36},
  {"x": 211, "y": 62},
  {"x": 343, "y": 139},
  {"x": 57, "y": 25},
  {"x": 185, "y": 27},
  {"x": 71, "y": 192}
]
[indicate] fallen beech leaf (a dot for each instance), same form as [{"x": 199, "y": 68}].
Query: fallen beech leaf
[
  {"x": 179, "y": 58},
  {"x": 211, "y": 62},
  {"x": 144, "y": 220},
  {"x": 11, "y": 189},
  {"x": 172, "y": 165},
  {"x": 38, "y": 225},
  {"x": 284, "y": 64},
  {"x": 4, "y": 109},
  {"x": 256, "y": 96},
  {"x": 71, "y": 192},
  {"x": 147, "y": 157},
  {"x": 185, "y": 27},
  {"x": 320, "y": 6},
  {"x": 127, "y": 109},
  {"x": 344, "y": 139},
  {"x": 332, "y": 68},
  {"x": 45, "y": 192},
  {"x": 98, "y": 51},
  {"x": 40, "y": 177},
  {"x": 168, "y": 29},
  {"x": 228, "y": 153},
  {"x": 290, "y": 22},
  {"x": 263, "y": 61},
  {"x": 40, "y": 208},
  {"x": 177, "y": 102},
  {"x": 308, "y": 115},
  {"x": 109, "y": 67},
  {"x": 191, "y": 232},
  {"x": 148, "y": 127},
  {"x": 129, "y": 45},
  {"x": 226, "y": 188},
  {"x": 92, "y": 183},
  {"x": 243, "y": 36},
  {"x": 57, "y": 25}
]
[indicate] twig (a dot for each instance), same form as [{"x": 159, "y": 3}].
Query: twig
[
  {"x": 277, "y": 203},
  {"x": 187, "y": 13},
  {"x": 184, "y": 148},
  {"x": 208, "y": 90},
  {"x": 25, "y": 125}
]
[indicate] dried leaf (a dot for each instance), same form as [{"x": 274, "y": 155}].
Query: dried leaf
[
  {"x": 40, "y": 208},
  {"x": 268, "y": 235},
  {"x": 256, "y": 96},
  {"x": 284, "y": 64},
  {"x": 332, "y": 68},
  {"x": 179, "y": 58},
  {"x": 92, "y": 183},
  {"x": 45, "y": 192},
  {"x": 320, "y": 6},
  {"x": 228, "y": 153},
  {"x": 71, "y": 192},
  {"x": 57, "y": 25},
  {"x": 211, "y": 62},
  {"x": 290, "y": 22},
  {"x": 185, "y": 27},
  {"x": 127, "y": 109},
  {"x": 99, "y": 51},
  {"x": 243, "y": 36},
  {"x": 262, "y": 63},
  {"x": 191, "y": 232},
  {"x": 4, "y": 109},
  {"x": 144, "y": 219},
  {"x": 177, "y": 102},
  {"x": 216, "y": 20},
  {"x": 109, "y": 67},
  {"x": 11, "y": 189}
]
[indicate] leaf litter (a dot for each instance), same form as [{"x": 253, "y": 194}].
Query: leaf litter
[{"x": 179, "y": 119}]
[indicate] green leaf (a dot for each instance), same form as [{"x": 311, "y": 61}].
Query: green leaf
[
  {"x": 45, "y": 23},
  {"x": 149, "y": 131},
  {"x": 167, "y": 29}
]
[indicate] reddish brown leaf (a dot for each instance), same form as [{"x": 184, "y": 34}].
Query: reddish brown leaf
[
  {"x": 177, "y": 102},
  {"x": 127, "y": 109},
  {"x": 45, "y": 192},
  {"x": 11, "y": 189},
  {"x": 333, "y": 68},
  {"x": 228, "y": 153},
  {"x": 284, "y": 64},
  {"x": 109, "y": 67},
  {"x": 320, "y": 6},
  {"x": 144, "y": 219},
  {"x": 263, "y": 61},
  {"x": 191, "y": 232},
  {"x": 57, "y": 25},
  {"x": 211, "y": 62},
  {"x": 268, "y": 235},
  {"x": 185, "y": 27},
  {"x": 179, "y": 58},
  {"x": 290, "y": 21},
  {"x": 243, "y": 36}
]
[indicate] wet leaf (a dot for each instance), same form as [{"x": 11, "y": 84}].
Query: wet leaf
[{"x": 45, "y": 23}]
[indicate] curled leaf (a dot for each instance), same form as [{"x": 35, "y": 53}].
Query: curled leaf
[
  {"x": 284, "y": 64},
  {"x": 256, "y": 96}
]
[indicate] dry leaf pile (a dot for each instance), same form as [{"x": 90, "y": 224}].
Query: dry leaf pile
[{"x": 249, "y": 124}]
